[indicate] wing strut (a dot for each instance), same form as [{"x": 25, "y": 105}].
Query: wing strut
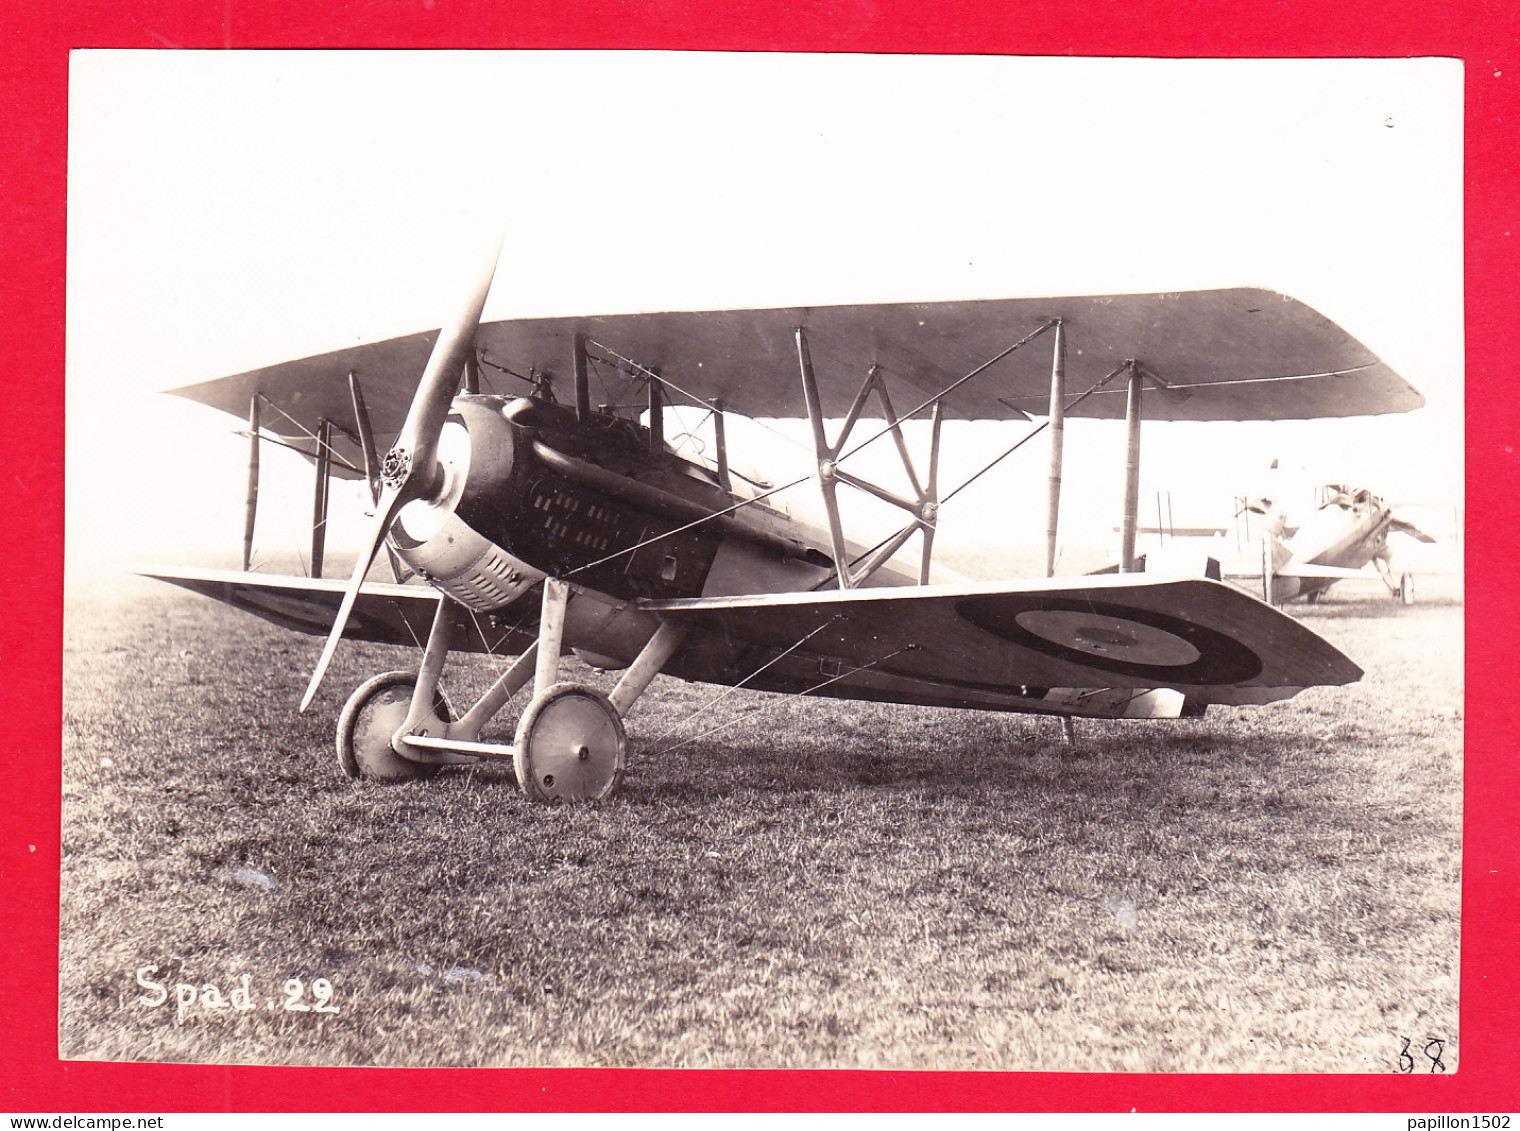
[
  {"x": 924, "y": 508},
  {"x": 720, "y": 439},
  {"x": 321, "y": 487},
  {"x": 251, "y": 505},
  {"x": 1136, "y": 379},
  {"x": 1136, "y": 375},
  {"x": 366, "y": 436},
  {"x": 656, "y": 417},
  {"x": 582, "y": 378},
  {"x": 1057, "y": 420}
]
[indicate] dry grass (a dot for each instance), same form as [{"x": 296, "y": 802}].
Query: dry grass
[{"x": 821, "y": 884}]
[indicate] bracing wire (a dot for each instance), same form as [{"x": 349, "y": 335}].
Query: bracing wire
[
  {"x": 475, "y": 620},
  {"x": 700, "y": 402},
  {"x": 787, "y": 698},
  {"x": 1031, "y": 435},
  {"x": 410, "y": 631},
  {"x": 713, "y": 702},
  {"x": 698, "y": 522},
  {"x": 803, "y": 479},
  {"x": 950, "y": 388},
  {"x": 691, "y": 435},
  {"x": 489, "y": 364},
  {"x": 306, "y": 433}
]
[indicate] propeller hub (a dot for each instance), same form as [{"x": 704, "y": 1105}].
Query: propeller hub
[{"x": 396, "y": 467}]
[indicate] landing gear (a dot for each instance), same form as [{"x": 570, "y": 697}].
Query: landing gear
[
  {"x": 1402, "y": 590},
  {"x": 370, "y": 718},
  {"x": 570, "y": 745}
]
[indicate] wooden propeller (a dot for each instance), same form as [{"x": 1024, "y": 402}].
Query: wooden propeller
[{"x": 411, "y": 469}]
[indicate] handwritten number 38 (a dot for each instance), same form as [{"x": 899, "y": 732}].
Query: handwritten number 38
[
  {"x": 1434, "y": 1047},
  {"x": 321, "y": 990}
]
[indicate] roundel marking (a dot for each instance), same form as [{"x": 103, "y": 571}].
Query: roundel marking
[
  {"x": 1115, "y": 638},
  {"x": 1108, "y": 636}
]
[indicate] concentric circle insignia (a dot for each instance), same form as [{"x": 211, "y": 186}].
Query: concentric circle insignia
[
  {"x": 1115, "y": 637},
  {"x": 1109, "y": 636}
]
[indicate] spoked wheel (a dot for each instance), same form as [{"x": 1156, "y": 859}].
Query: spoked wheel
[
  {"x": 570, "y": 745},
  {"x": 1405, "y": 594},
  {"x": 372, "y": 715}
]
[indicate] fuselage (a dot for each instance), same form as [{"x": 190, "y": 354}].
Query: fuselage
[
  {"x": 529, "y": 491},
  {"x": 1347, "y": 534}
]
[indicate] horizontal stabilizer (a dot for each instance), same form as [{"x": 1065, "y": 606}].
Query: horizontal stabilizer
[{"x": 1410, "y": 529}]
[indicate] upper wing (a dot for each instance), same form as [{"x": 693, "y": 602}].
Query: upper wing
[
  {"x": 1241, "y": 354},
  {"x": 975, "y": 645}
]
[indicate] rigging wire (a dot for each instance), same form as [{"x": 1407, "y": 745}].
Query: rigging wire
[
  {"x": 488, "y": 363},
  {"x": 691, "y": 435},
  {"x": 786, "y": 698},
  {"x": 412, "y": 632},
  {"x": 309, "y": 434},
  {"x": 688, "y": 526},
  {"x": 280, "y": 442},
  {"x": 594, "y": 366},
  {"x": 948, "y": 389},
  {"x": 713, "y": 702},
  {"x": 803, "y": 479},
  {"x": 1033, "y": 433},
  {"x": 701, "y": 402},
  {"x": 484, "y": 639}
]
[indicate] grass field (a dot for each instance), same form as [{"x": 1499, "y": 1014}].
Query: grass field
[{"x": 818, "y": 885}]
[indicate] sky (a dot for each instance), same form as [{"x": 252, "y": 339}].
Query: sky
[{"x": 232, "y": 209}]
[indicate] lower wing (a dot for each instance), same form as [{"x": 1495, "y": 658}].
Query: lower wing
[
  {"x": 1300, "y": 569},
  {"x": 1309, "y": 569},
  {"x": 1034, "y": 646},
  {"x": 1102, "y": 647},
  {"x": 384, "y": 613}
]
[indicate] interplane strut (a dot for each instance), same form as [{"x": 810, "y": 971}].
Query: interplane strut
[{"x": 924, "y": 507}]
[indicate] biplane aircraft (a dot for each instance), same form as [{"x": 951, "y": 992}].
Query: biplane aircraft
[
  {"x": 1348, "y": 530},
  {"x": 543, "y": 523}
]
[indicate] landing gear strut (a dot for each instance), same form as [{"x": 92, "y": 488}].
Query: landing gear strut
[
  {"x": 570, "y": 743},
  {"x": 1401, "y": 590}
]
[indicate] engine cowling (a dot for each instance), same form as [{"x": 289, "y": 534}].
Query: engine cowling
[{"x": 476, "y": 451}]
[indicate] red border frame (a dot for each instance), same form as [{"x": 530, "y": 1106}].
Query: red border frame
[{"x": 33, "y": 140}]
